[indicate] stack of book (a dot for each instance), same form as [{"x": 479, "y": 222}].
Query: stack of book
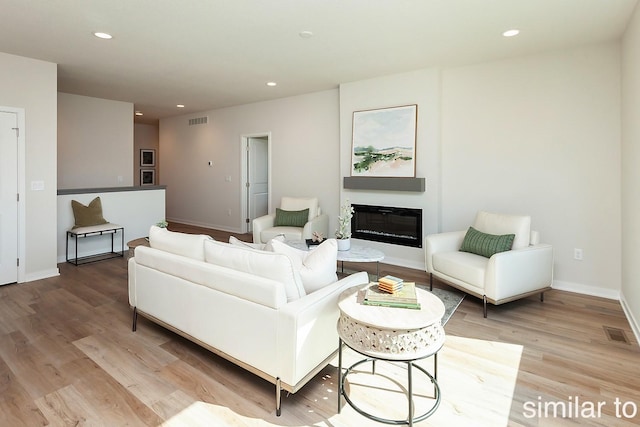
[
  {"x": 390, "y": 284},
  {"x": 403, "y": 298}
]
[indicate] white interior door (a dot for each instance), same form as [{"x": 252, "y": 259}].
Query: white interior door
[
  {"x": 8, "y": 197},
  {"x": 257, "y": 178}
]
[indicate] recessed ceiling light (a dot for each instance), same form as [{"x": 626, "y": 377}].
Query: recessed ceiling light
[
  {"x": 180, "y": 106},
  {"x": 105, "y": 36},
  {"x": 272, "y": 84},
  {"x": 511, "y": 33},
  {"x": 138, "y": 113},
  {"x": 305, "y": 34}
]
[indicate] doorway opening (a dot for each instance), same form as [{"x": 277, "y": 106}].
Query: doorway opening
[{"x": 256, "y": 175}]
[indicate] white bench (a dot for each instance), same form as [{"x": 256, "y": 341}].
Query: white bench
[{"x": 94, "y": 230}]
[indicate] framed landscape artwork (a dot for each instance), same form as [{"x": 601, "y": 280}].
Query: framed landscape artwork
[
  {"x": 384, "y": 142},
  {"x": 147, "y": 158}
]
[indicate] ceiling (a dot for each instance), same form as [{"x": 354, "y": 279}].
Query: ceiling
[{"x": 208, "y": 54}]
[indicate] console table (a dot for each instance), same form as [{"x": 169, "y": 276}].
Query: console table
[{"x": 393, "y": 335}]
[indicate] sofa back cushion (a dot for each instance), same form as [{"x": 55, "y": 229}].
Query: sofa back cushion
[
  {"x": 500, "y": 224},
  {"x": 188, "y": 245},
  {"x": 265, "y": 264},
  {"x": 301, "y": 203}
]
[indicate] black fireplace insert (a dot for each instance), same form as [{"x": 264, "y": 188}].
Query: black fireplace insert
[{"x": 387, "y": 224}]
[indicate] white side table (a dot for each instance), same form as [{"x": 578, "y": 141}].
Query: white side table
[{"x": 391, "y": 334}]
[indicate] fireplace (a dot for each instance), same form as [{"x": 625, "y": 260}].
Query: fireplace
[{"x": 387, "y": 224}]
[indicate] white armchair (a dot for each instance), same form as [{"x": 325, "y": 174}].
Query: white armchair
[
  {"x": 265, "y": 228},
  {"x": 525, "y": 269}
]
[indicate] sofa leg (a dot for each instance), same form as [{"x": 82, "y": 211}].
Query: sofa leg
[
  {"x": 541, "y": 296},
  {"x": 431, "y": 282},
  {"x": 484, "y": 306},
  {"x": 278, "y": 397},
  {"x": 135, "y": 319}
]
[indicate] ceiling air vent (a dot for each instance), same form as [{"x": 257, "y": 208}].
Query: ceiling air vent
[{"x": 199, "y": 121}]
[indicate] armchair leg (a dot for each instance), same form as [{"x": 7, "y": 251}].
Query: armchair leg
[
  {"x": 541, "y": 296},
  {"x": 134, "y": 324},
  {"x": 278, "y": 397},
  {"x": 484, "y": 306},
  {"x": 431, "y": 282}
]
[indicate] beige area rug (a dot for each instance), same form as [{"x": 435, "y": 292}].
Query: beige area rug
[{"x": 477, "y": 379}]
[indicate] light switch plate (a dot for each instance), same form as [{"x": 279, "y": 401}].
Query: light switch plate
[{"x": 37, "y": 185}]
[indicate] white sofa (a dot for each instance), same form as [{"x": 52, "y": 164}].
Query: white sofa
[
  {"x": 264, "y": 228},
  {"x": 525, "y": 269},
  {"x": 243, "y": 304}
]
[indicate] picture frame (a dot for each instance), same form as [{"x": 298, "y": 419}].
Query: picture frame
[
  {"x": 147, "y": 177},
  {"x": 147, "y": 157},
  {"x": 384, "y": 142}
]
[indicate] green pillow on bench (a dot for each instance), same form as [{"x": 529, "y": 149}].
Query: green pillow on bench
[{"x": 479, "y": 243}]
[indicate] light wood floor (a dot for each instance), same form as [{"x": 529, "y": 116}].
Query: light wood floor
[{"x": 68, "y": 357}]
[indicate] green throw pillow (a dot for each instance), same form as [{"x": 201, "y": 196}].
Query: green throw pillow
[
  {"x": 86, "y": 216},
  {"x": 291, "y": 218},
  {"x": 484, "y": 244}
]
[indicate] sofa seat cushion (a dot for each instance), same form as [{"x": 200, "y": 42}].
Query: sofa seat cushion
[
  {"x": 265, "y": 264},
  {"x": 317, "y": 267},
  {"x": 289, "y": 233},
  {"x": 188, "y": 245},
  {"x": 464, "y": 266}
]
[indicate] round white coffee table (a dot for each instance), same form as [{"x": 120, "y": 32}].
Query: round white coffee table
[
  {"x": 391, "y": 334},
  {"x": 357, "y": 253}
]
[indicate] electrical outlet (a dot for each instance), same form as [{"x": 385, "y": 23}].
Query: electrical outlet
[{"x": 577, "y": 254}]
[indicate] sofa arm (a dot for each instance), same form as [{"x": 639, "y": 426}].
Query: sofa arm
[
  {"x": 442, "y": 242},
  {"x": 319, "y": 224},
  {"x": 519, "y": 271},
  {"x": 307, "y": 328},
  {"x": 262, "y": 223}
]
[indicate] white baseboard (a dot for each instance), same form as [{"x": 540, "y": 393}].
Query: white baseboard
[
  {"x": 633, "y": 322},
  {"x": 44, "y": 274},
  {"x": 580, "y": 288}
]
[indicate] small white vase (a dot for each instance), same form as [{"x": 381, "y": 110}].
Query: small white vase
[{"x": 344, "y": 244}]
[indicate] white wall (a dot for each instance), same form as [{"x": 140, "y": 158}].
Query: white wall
[
  {"x": 145, "y": 136},
  {"x": 540, "y": 135},
  {"x": 421, "y": 88},
  {"x": 95, "y": 142},
  {"x": 537, "y": 135},
  {"x": 31, "y": 85},
  {"x": 304, "y": 146},
  {"x": 630, "y": 171}
]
